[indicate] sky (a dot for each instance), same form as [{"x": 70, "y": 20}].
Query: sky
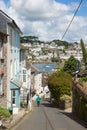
[{"x": 49, "y": 19}]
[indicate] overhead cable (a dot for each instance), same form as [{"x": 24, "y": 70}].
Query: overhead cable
[{"x": 72, "y": 19}]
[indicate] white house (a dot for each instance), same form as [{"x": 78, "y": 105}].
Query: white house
[
  {"x": 25, "y": 74},
  {"x": 36, "y": 80}
]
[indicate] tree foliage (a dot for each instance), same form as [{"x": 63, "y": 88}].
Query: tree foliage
[
  {"x": 54, "y": 59},
  {"x": 70, "y": 65},
  {"x": 62, "y": 43},
  {"x": 27, "y": 39},
  {"x": 84, "y": 52},
  {"x": 60, "y": 83}
]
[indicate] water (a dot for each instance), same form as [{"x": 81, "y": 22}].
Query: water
[{"x": 45, "y": 67}]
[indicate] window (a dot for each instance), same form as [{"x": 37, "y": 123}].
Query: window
[
  {"x": 13, "y": 97},
  {"x": 24, "y": 71},
  {"x": 0, "y": 48},
  {"x": 1, "y": 84},
  {"x": 24, "y": 75}
]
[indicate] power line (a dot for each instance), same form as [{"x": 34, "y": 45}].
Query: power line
[{"x": 72, "y": 19}]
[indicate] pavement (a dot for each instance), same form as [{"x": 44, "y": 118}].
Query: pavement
[{"x": 15, "y": 119}]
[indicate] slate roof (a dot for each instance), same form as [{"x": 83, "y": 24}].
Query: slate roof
[
  {"x": 4, "y": 20},
  {"x": 35, "y": 70}
]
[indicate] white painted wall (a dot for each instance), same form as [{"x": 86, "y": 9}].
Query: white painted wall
[
  {"x": 9, "y": 65},
  {"x": 38, "y": 81}
]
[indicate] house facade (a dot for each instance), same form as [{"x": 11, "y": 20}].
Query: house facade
[
  {"x": 3, "y": 68},
  {"x": 36, "y": 80},
  {"x": 13, "y": 83},
  {"x": 25, "y": 69}
]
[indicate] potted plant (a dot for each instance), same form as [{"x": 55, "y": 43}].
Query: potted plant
[{"x": 24, "y": 103}]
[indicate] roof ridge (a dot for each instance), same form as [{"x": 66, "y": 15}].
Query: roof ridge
[
  {"x": 11, "y": 20},
  {"x": 6, "y": 15}
]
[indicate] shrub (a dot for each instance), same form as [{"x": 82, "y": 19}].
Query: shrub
[
  {"x": 83, "y": 79},
  {"x": 66, "y": 97},
  {"x": 60, "y": 83},
  {"x": 23, "y": 103},
  {"x": 4, "y": 113}
]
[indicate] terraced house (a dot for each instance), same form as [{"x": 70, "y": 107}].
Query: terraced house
[
  {"x": 10, "y": 83},
  {"x": 3, "y": 68}
]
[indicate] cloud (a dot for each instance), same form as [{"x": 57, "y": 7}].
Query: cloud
[
  {"x": 47, "y": 19},
  {"x": 38, "y": 10},
  {"x": 3, "y": 6}
]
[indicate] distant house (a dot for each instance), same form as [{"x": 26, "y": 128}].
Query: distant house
[
  {"x": 36, "y": 80},
  {"x": 12, "y": 79}
]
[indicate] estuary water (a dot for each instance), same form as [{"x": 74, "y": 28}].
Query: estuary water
[{"x": 48, "y": 67}]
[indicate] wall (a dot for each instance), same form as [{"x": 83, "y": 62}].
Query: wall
[
  {"x": 79, "y": 104},
  {"x": 3, "y": 66}
]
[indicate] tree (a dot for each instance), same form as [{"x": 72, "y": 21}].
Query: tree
[
  {"x": 54, "y": 59},
  {"x": 27, "y": 39},
  {"x": 60, "y": 84},
  {"x": 84, "y": 52},
  {"x": 70, "y": 65}
]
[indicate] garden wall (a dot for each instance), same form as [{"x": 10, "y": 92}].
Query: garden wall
[{"x": 79, "y": 101}]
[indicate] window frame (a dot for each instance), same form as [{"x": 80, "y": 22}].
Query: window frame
[{"x": 13, "y": 93}]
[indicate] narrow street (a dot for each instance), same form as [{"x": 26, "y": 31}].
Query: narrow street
[{"x": 46, "y": 117}]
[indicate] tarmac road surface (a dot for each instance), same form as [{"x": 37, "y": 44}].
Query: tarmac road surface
[{"x": 47, "y": 117}]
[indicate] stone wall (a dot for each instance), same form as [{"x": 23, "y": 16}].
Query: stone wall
[
  {"x": 64, "y": 104},
  {"x": 79, "y": 101}
]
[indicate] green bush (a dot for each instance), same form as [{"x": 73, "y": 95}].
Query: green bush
[
  {"x": 23, "y": 103},
  {"x": 66, "y": 97},
  {"x": 4, "y": 113},
  {"x": 60, "y": 84},
  {"x": 82, "y": 79}
]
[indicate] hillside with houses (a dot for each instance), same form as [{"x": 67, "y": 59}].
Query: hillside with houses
[
  {"x": 40, "y": 51},
  {"x": 20, "y": 81}
]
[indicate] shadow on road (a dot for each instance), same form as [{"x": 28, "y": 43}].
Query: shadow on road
[
  {"x": 73, "y": 117},
  {"x": 69, "y": 114},
  {"x": 47, "y": 104}
]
